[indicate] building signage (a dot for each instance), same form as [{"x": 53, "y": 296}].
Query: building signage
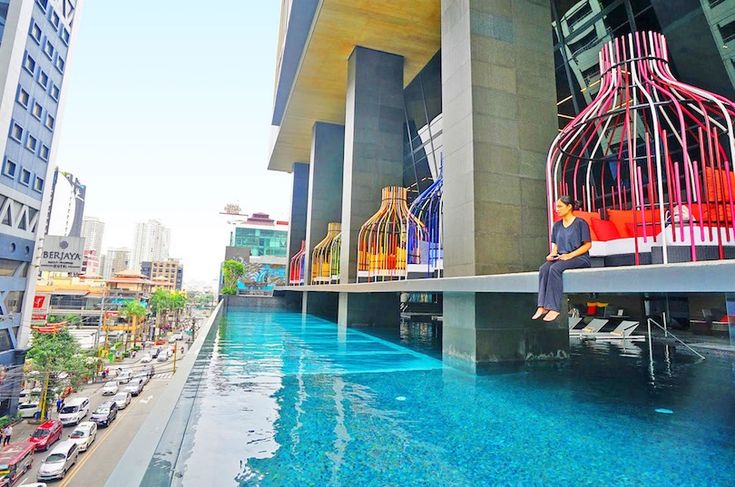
[
  {"x": 62, "y": 254},
  {"x": 39, "y": 314}
]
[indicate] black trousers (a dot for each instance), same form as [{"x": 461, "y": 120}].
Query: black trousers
[{"x": 549, "y": 280}]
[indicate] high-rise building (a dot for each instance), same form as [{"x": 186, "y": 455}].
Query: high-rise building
[
  {"x": 93, "y": 229},
  {"x": 151, "y": 243},
  {"x": 171, "y": 270},
  {"x": 67, "y": 205},
  {"x": 114, "y": 261},
  {"x": 35, "y": 54}
]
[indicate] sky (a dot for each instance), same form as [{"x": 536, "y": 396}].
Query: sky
[{"x": 167, "y": 116}]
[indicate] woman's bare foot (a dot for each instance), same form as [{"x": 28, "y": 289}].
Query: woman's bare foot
[
  {"x": 539, "y": 313},
  {"x": 551, "y": 315}
]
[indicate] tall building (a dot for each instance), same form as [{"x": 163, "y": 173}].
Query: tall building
[
  {"x": 266, "y": 238},
  {"x": 114, "y": 261},
  {"x": 151, "y": 243},
  {"x": 67, "y": 205},
  {"x": 35, "y": 54},
  {"x": 93, "y": 229},
  {"x": 171, "y": 270}
]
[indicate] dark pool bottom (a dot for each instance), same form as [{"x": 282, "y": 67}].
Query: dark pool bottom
[{"x": 281, "y": 399}]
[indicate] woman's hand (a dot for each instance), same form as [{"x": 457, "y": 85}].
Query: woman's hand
[
  {"x": 566, "y": 257},
  {"x": 551, "y": 257}
]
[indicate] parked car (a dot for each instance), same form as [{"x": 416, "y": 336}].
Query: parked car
[
  {"x": 146, "y": 358},
  {"x": 175, "y": 337},
  {"x": 135, "y": 387},
  {"x": 155, "y": 353},
  {"x": 124, "y": 376},
  {"x": 74, "y": 410},
  {"x": 164, "y": 355},
  {"x": 46, "y": 434},
  {"x": 110, "y": 388},
  {"x": 105, "y": 414},
  {"x": 84, "y": 435},
  {"x": 28, "y": 409},
  {"x": 59, "y": 461},
  {"x": 122, "y": 399},
  {"x": 143, "y": 375}
]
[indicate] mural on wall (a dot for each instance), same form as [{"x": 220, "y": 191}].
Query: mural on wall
[{"x": 262, "y": 278}]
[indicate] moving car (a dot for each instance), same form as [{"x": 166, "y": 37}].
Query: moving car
[
  {"x": 105, "y": 414},
  {"x": 146, "y": 358},
  {"x": 84, "y": 435},
  {"x": 135, "y": 387},
  {"x": 28, "y": 409},
  {"x": 74, "y": 410},
  {"x": 122, "y": 399},
  {"x": 46, "y": 434},
  {"x": 143, "y": 375},
  {"x": 124, "y": 376},
  {"x": 175, "y": 337},
  {"x": 155, "y": 353},
  {"x": 164, "y": 355},
  {"x": 59, "y": 461},
  {"x": 15, "y": 460},
  {"x": 110, "y": 388}
]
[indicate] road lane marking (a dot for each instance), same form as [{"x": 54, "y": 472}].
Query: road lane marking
[{"x": 145, "y": 401}]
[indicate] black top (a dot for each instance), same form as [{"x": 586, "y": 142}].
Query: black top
[{"x": 572, "y": 237}]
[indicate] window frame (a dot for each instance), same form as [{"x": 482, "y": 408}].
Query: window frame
[
  {"x": 33, "y": 111},
  {"x": 18, "y": 97},
  {"x": 34, "y": 26},
  {"x": 6, "y": 168},
  {"x": 43, "y": 4},
  {"x": 58, "y": 92},
  {"x": 65, "y": 35},
  {"x": 47, "y": 150},
  {"x": 51, "y": 126},
  {"x": 42, "y": 73},
  {"x": 53, "y": 16},
  {"x": 27, "y": 145},
  {"x": 23, "y": 172},
  {"x": 60, "y": 64},
  {"x": 46, "y": 46},
  {"x": 19, "y": 138},
  {"x": 36, "y": 186},
  {"x": 31, "y": 70}
]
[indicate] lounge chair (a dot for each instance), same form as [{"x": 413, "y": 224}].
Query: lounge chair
[
  {"x": 574, "y": 321},
  {"x": 621, "y": 332},
  {"x": 591, "y": 328}
]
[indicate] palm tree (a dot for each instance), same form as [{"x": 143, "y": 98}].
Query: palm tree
[{"x": 135, "y": 311}]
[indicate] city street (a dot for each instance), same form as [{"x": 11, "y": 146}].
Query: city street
[{"x": 94, "y": 466}]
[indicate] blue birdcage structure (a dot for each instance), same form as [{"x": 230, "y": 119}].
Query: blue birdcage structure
[{"x": 428, "y": 208}]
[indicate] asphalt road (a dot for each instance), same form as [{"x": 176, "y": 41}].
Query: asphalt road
[{"x": 95, "y": 465}]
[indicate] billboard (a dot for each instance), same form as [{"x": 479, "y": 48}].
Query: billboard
[
  {"x": 260, "y": 278},
  {"x": 62, "y": 254}
]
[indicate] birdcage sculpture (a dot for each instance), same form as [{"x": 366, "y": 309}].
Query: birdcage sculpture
[
  {"x": 321, "y": 256},
  {"x": 428, "y": 208},
  {"x": 388, "y": 240},
  {"x": 296, "y": 267},
  {"x": 652, "y": 156},
  {"x": 334, "y": 258}
]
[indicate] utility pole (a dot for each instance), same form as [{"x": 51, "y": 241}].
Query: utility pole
[
  {"x": 44, "y": 400},
  {"x": 176, "y": 345},
  {"x": 99, "y": 330}
]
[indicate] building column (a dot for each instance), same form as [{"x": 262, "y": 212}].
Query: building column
[
  {"x": 369, "y": 309},
  {"x": 299, "y": 203},
  {"x": 325, "y": 185},
  {"x": 499, "y": 116},
  {"x": 373, "y": 157}
]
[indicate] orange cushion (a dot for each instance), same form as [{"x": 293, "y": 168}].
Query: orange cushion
[
  {"x": 621, "y": 218},
  {"x": 715, "y": 181},
  {"x": 588, "y": 216},
  {"x": 605, "y": 230},
  {"x": 637, "y": 230}
]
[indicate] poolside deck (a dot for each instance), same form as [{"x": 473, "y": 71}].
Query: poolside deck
[{"x": 690, "y": 277}]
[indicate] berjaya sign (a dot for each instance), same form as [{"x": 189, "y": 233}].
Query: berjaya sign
[{"x": 62, "y": 254}]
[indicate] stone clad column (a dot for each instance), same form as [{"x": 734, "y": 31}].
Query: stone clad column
[
  {"x": 299, "y": 203},
  {"x": 374, "y": 119},
  {"x": 499, "y": 116}
]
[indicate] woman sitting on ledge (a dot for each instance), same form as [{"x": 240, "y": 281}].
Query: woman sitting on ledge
[{"x": 570, "y": 245}]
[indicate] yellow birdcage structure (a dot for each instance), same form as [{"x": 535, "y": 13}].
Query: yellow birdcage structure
[
  {"x": 386, "y": 243},
  {"x": 323, "y": 258}
]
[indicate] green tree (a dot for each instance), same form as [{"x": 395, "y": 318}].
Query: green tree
[
  {"x": 178, "y": 304},
  {"x": 232, "y": 271},
  {"x": 58, "y": 357},
  {"x": 160, "y": 304},
  {"x": 134, "y": 311}
]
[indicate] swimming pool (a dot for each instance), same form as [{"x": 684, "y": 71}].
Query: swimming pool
[{"x": 278, "y": 398}]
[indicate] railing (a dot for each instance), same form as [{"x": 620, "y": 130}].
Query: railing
[{"x": 667, "y": 333}]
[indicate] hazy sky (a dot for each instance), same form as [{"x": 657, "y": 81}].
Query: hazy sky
[{"x": 168, "y": 116}]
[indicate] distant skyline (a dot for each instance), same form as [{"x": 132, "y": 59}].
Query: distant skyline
[{"x": 168, "y": 117}]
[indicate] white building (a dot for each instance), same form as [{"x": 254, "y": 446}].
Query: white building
[
  {"x": 93, "y": 229},
  {"x": 115, "y": 260},
  {"x": 67, "y": 205},
  {"x": 151, "y": 243}
]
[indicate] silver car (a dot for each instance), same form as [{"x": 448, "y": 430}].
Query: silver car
[
  {"x": 84, "y": 435},
  {"x": 59, "y": 461},
  {"x": 122, "y": 399}
]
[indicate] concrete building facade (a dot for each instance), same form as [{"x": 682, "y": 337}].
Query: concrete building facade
[
  {"x": 67, "y": 205},
  {"x": 171, "y": 270},
  {"x": 114, "y": 261},
  {"x": 151, "y": 243}
]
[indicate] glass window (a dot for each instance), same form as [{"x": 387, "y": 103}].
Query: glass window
[
  {"x": 25, "y": 177},
  {"x": 38, "y": 184},
  {"x": 60, "y": 63},
  {"x": 727, "y": 31},
  {"x": 16, "y": 132},
  {"x": 10, "y": 168},
  {"x": 37, "y": 110},
  {"x": 48, "y": 49},
  {"x": 29, "y": 64},
  {"x": 13, "y": 301},
  {"x": 36, "y": 32},
  {"x": 44, "y": 153},
  {"x": 43, "y": 79},
  {"x": 5, "y": 342},
  {"x": 65, "y": 36},
  {"x": 31, "y": 143},
  {"x": 50, "y": 121},
  {"x": 55, "y": 92},
  {"x": 55, "y": 19},
  {"x": 43, "y": 4},
  {"x": 23, "y": 97}
]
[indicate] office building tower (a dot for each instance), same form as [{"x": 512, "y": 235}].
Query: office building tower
[
  {"x": 67, "y": 205},
  {"x": 114, "y": 261},
  {"x": 151, "y": 243},
  {"x": 171, "y": 271},
  {"x": 93, "y": 229}
]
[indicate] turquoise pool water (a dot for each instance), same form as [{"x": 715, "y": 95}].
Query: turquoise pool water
[{"x": 280, "y": 399}]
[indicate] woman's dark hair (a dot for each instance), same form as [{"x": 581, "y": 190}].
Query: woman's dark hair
[{"x": 567, "y": 200}]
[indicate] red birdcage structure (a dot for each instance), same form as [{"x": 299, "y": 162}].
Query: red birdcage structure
[{"x": 296, "y": 266}]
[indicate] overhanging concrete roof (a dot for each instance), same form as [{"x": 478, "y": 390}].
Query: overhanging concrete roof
[
  {"x": 410, "y": 29},
  {"x": 691, "y": 277}
]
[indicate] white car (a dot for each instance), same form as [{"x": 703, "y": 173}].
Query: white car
[
  {"x": 59, "y": 461},
  {"x": 110, "y": 388},
  {"x": 135, "y": 387},
  {"x": 74, "y": 411},
  {"x": 28, "y": 409},
  {"x": 122, "y": 399},
  {"x": 175, "y": 337},
  {"x": 146, "y": 358},
  {"x": 124, "y": 376},
  {"x": 84, "y": 435}
]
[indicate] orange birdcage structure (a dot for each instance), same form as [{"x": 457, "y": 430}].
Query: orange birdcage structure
[
  {"x": 325, "y": 257},
  {"x": 296, "y": 266},
  {"x": 388, "y": 241}
]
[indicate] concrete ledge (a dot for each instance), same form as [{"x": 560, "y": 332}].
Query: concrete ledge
[{"x": 689, "y": 277}]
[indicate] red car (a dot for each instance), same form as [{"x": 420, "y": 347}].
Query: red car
[{"x": 46, "y": 434}]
